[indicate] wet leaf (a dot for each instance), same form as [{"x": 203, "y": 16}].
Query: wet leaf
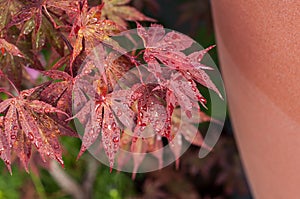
[
  {"x": 8, "y": 9},
  {"x": 90, "y": 29},
  {"x": 167, "y": 48},
  {"x": 59, "y": 94},
  {"x": 110, "y": 67},
  {"x": 105, "y": 114},
  {"x": 30, "y": 10},
  {"x": 10, "y": 48},
  {"x": 139, "y": 149},
  {"x": 150, "y": 109},
  {"x": 28, "y": 122}
]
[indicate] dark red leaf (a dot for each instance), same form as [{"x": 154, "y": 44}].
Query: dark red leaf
[{"x": 27, "y": 122}]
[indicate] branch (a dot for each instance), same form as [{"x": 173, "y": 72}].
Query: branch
[
  {"x": 65, "y": 181},
  {"x": 91, "y": 175}
]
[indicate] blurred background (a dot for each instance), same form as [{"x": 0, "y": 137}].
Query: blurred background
[{"x": 218, "y": 176}]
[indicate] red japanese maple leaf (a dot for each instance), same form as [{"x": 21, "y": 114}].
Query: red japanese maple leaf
[
  {"x": 167, "y": 49},
  {"x": 109, "y": 66},
  {"x": 33, "y": 17},
  {"x": 8, "y": 9},
  {"x": 28, "y": 122},
  {"x": 5, "y": 46},
  {"x": 91, "y": 30},
  {"x": 108, "y": 114},
  {"x": 59, "y": 94},
  {"x": 150, "y": 108},
  {"x": 11, "y": 58}
]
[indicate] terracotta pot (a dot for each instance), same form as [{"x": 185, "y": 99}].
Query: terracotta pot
[{"x": 258, "y": 43}]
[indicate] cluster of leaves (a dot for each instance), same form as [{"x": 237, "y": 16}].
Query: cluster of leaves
[{"x": 35, "y": 117}]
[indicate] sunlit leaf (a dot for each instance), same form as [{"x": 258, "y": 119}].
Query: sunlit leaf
[
  {"x": 90, "y": 29},
  {"x": 119, "y": 12}
]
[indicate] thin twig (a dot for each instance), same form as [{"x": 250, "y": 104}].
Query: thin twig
[
  {"x": 65, "y": 181},
  {"x": 91, "y": 175}
]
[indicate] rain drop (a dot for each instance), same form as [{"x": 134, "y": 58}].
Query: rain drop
[
  {"x": 194, "y": 89},
  {"x": 105, "y": 125},
  {"x": 7, "y": 162},
  {"x": 119, "y": 113},
  {"x": 87, "y": 71},
  {"x": 134, "y": 139},
  {"x": 47, "y": 110},
  {"x": 202, "y": 99},
  {"x": 37, "y": 145},
  {"x": 116, "y": 139},
  {"x": 30, "y": 136}
]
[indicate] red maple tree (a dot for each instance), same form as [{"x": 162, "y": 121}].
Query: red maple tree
[{"x": 34, "y": 115}]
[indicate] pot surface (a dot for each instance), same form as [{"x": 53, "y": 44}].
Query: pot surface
[{"x": 258, "y": 43}]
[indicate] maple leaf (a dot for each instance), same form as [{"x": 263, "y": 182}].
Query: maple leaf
[
  {"x": 91, "y": 30},
  {"x": 186, "y": 128},
  {"x": 15, "y": 59},
  {"x": 138, "y": 149},
  {"x": 164, "y": 47},
  {"x": 105, "y": 113},
  {"x": 151, "y": 111},
  {"x": 34, "y": 16},
  {"x": 8, "y": 9},
  {"x": 59, "y": 94},
  {"x": 28, "y": 122},
  {"x": 109, "y": 66},
  {"x": 37, "y": 11},
  {"x": 70, "y": 7},
  {"x": 10, "y": 48},
  {"x": 102, "y": 111},
  {"x": 198, "y": 73},
  {"x": 183, "y": 92},
  {"x": 154, "y": 105},
  {"x": 10, "y": 61},
  {"x": 30, "y": 18},
  {"x": 167, "y": 48},
  {"x": 119, "y": 12}
]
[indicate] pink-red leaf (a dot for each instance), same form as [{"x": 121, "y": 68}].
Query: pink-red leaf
[
  {"x": 5, "y": 149},
  {"x": 56, "y": 74},
  {"x": 10, "y": 48},
  {"x": 176, "y": 146},
  {"x": 110, "y": 135},
  {"x": 91, "y": 29},
  {"x": 26, "y": 123},
  {"x": 138, "y": 149}
]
